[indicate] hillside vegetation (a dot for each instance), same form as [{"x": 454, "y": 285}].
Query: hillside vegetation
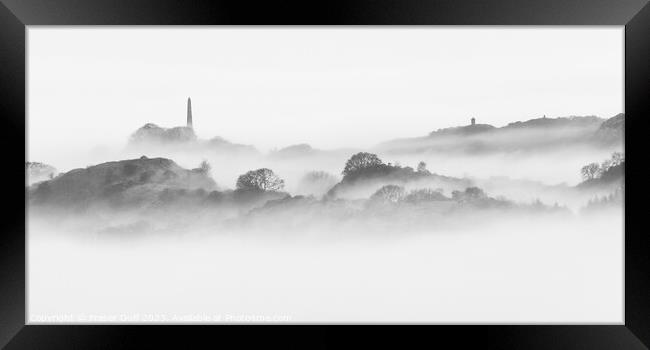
[{"x": 125, "y": 182}]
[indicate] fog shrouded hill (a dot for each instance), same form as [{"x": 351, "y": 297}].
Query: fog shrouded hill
[
  {"x": 157, "y": 192},
  {"x": 448, "y": 160},
  {"x": 534, "y": 135},
  {"x": 126, "y": 183},
  {"x": 519, "y": 150},
  {"x": 152, "y": 133},
  {"x": 182, "y": 139},
  {"x": 346, "y": 231},
  {"x": 364, "y": 173},
  {"x": 445, "y": 162},
  {"x": 540, "y": 134}
]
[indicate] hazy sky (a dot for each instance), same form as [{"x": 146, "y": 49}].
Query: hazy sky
[{"x": 330, "y": 87}]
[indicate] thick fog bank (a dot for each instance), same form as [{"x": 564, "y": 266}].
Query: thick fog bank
[
  {"x": 214, "y": 231},
  {"x": 548, "y": 168},
  {"x": 517, "y": 269}
]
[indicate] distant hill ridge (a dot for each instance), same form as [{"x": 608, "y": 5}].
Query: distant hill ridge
[
  {"x": 151, "y": 132},
  {"x": 533, "y": 134},
  {"x": 182, "y": 138},
  {"x": 611, "y": 130},
  {"x": 572, "y": 121}
]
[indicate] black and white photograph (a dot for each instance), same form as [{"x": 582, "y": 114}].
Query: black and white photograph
[{"x": 325, "y": 175}]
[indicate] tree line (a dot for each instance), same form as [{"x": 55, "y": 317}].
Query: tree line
[{"x": 593, "y": 171}]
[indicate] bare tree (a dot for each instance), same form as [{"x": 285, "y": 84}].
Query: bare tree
[{"x": 261, "y": 179}]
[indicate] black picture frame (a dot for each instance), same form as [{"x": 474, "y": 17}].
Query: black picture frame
[{"x": 15, "y": 15}]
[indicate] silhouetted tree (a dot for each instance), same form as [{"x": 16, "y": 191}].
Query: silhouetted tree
[
  {"x": 590, "y": 171},
  {"x": 361, "y": 160},
  {"x": 261, "y": 179}
]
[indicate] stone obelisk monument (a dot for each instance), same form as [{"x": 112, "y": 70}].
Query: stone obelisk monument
[{"x": 189, "y": 113}]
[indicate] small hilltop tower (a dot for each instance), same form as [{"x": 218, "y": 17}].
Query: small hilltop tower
[
  {"x": 189, "y": 113},
  {"x": 473, "y": 121}
]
